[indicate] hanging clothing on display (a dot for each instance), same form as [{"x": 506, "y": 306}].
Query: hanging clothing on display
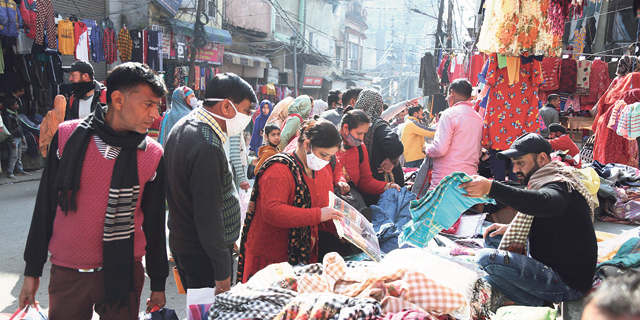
[
  {"x": 599, "y": 83},
  {"x": 154, "y": 51},
  {"x": 550, "y": 73},
  {"x": 443, "y": 70},
  {"x": 518, "y": 28},
  {"x": 125, "y": 45},
  {"x": 29, "y": 17},
  {"x": 10, "y": 18},
  {"x": 145, "y": 46},
  {"x": 66, "y": 41},
  {"x": 568, "y": 75},
  {"x": 475, "y": 68},
  {"x": 428, "y": 80},
  {"x": 109, "y": 46},
  {"x": 578, "y": 42},
  {"x": 584, "y": 73},
  {"x": 81, "y": 38},
  {"x": 95, "y": 39},
  {"x": 136, "y": 50},
  {"x": 44, "y": 18},
  {"x": 512, "y": 110},
  {"x": 160, "y": 48}
]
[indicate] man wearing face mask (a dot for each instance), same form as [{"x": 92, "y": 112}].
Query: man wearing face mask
[
  {"x": 554, "y": 219},
  {"x": 204, "y": 210},
  {"x": 87, "y": 92}
]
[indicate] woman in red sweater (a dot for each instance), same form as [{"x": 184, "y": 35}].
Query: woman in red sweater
[
  {"x": 353, "y": 159},
  {"x": 289, "y": 202}
]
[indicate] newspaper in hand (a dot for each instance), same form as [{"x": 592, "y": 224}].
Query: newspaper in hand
[{"x": 355, "y": 228}]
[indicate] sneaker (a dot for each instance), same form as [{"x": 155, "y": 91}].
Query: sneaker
[
  {"x": 11, "y": 176},
  {"x": 23, "y": 173}
]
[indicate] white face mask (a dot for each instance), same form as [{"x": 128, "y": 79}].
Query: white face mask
[
  {"x": 315, "y": 163},
  {"x": 236, "y": 124},
  {"x": 193, "y": 102}
]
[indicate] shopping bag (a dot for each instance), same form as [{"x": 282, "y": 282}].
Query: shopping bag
[
  {"x": 162, "y": 314},
  {"x": 198, "y": 303},
  {"x": 28, "y": 313},
  {"x": 4, "y": 133}
]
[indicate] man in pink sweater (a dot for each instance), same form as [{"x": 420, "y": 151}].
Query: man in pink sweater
[
  {"x": 457, "y": 144},
  {"x": 101, "y": 208}
]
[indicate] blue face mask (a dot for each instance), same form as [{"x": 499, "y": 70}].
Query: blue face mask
[{"x": 353, "y": 141}]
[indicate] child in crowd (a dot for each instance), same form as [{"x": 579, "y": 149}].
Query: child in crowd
[{"x": 272, "y": 135}]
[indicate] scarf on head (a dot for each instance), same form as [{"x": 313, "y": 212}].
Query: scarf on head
[
  {"x": 179, "y": 108},
  {"x": 515, "y": 239},
  {"x": 118, "y": 233},
  {"x": 370, "y": 101},
  {"x": 299, "y": 238},
  {"x": 280, "y": 111},
  {"x": 259, "y": 123}
]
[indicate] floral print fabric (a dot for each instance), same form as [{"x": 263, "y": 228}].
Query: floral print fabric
[
  {"x": 512, "y": 110},
  {"x": 550, "y": 73},
  {"x": 568, "y": 75},
  {"x": 519, "y": 28}
]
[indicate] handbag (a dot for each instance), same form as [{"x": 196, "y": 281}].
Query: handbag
[{"x": 353, "y": 197}]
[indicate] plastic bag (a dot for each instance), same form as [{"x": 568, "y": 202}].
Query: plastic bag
[
  {"x": 28, "y": 313},
  {"x": 198, "y": 303},
  {"x": 4, "y": 133}
]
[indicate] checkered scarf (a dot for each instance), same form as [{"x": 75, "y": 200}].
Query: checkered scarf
[
  {"x": 515, "y": 239},
  {"x": 299, "y": 238}
]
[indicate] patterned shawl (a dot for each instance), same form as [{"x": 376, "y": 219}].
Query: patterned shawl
[
  {"x": 370, "y": 101},
  {"x": 299, "y": 238},
  {"x": 515, "y": 239}
]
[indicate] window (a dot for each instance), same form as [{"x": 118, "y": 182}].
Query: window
[
  {"x": 354, "y": 56},
  {"x": 212, "y": 7}
]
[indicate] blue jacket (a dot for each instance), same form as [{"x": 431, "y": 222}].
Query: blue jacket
[{"x": 10, "y": 18}]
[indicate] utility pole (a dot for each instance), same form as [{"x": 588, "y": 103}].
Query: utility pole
[
  {"x": 295, "y": 66},
  {"x": 450, "y": 25},
  {"x": 439, "y": 31},
  {"x": 194, "y": 49}
]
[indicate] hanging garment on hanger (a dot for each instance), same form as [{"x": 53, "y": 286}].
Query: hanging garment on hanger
[
  {"x": 81, "y": 34},
  {"x": 66, "y": 44},
  {"x": 125, "y": 45},
  {"x": 44, "y": 18},
  {"x": 145, "y": 46},
  {"x": 136, "y": 50},
  {"x": 160, "y": 48},
  {"x": 568, "y": 75},
  {"x": 109, "y": 46},
  {"x": 154, "y": 52},
  {"x": 95, "y": 41},
  {"x": 513, "y": 69},
  {"x": 550, "y": 73},
  {"x": 584, "y": 72},
  {"x": 599, "y": 83},
  {"x": 29, "y": 17},
  {"x": 428, "y": 79}
]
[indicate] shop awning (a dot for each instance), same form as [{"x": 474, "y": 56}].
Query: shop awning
[
  {"x": 246, "y": 60},
  {"x": 213, "y": 34}
]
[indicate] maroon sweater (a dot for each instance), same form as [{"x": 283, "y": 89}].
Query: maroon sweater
[{"x": 75, "y": 239}]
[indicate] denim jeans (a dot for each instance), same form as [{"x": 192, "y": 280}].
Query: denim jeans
[
  {"x": 522, "y": 279},
  {"x": 15, "y": 157},
  {"x": 499, "y": 167},
  {"x": 414, "y": 164}
]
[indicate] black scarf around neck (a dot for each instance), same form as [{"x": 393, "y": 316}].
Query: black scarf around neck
[
  {"x": 123, "y": 197},
  {"x": 82, "y": 88}
]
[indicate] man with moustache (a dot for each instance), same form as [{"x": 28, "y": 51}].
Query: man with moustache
[{"x": 554, "y": 219}]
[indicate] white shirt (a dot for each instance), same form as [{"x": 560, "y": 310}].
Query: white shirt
[{"x": 84, "y": 107}]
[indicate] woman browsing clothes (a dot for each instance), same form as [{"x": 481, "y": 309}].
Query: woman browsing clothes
[{"x": 289, "y": 203}]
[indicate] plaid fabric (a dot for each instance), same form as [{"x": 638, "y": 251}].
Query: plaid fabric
[
  {"x": 203, "y": 115},
  {"x": 109, "y": 46},
  {"x": 125, "y": 45},
  {"x": 329, "y": 306},
  {"x": 334, "y": 269},
  {"x": 243, "y": 302},
  {"x": 515, "y": 239},
  {"x": 97, "y": 51}
]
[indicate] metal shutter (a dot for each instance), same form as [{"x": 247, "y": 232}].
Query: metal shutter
[{"x": 83, "y": 9}]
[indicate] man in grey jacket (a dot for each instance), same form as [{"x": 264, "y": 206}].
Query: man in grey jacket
[{"x": 549, "y": 113}]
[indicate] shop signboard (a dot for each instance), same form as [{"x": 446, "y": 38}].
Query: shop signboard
[
  {"x": 273, "y": 76},
  {"x": 212, "y": 53},
  {"x": 166, "y": 40},
  {"x": 312, "y": 77}
]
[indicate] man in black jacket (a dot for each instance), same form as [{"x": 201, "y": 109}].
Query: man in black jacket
[
  {"x": 16, "y": 140},
  {"x": 86, "y": 91},
  {"x": 555, "y": 216}
]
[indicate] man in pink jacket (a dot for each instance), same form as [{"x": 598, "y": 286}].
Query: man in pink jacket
[{"x": 457, "y": 144}]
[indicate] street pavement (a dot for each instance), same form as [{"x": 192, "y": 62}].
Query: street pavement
[{"x": 17, "y": 199}]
